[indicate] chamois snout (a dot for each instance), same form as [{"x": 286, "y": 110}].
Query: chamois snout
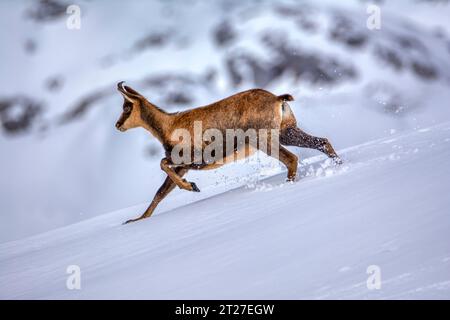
[
  {"x": 125, "y": 121},
  {"x": 119, "y": 127},
  {"x": 120, "y": 124},
  {"x": 131, "y": 97}
]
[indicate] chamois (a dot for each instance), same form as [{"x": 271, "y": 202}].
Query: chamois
[{"x": 252, "y": 109}]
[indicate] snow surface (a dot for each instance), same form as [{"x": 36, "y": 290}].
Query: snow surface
[
  {"x": 385, "y": 206},
  {"x": 69, "y": 173}
]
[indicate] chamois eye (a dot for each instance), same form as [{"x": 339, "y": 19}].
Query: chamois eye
[{"x": 127, "y": 109}]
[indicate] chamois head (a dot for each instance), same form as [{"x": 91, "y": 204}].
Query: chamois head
[{"x": 132, "y": 100}]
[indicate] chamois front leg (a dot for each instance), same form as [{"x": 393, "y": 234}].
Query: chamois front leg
[
  {"x": 168, "y": 167},
  {"x": 162, "y": 192}
]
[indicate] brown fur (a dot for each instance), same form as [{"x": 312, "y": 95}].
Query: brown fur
[{"x": 252, "y": 109}]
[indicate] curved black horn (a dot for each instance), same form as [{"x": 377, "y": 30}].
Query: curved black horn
[
  {"x": 120, "y": 87},
  {"x": 127, "y": 91}
]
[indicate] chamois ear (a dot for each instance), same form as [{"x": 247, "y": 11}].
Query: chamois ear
[
  {"x": 128, "y": 93},
  {"x": 132, "y": 91}
]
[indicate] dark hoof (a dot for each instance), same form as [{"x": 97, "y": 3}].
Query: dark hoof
[
  {"x": 131, "y": 220},
  {"x": 291, "y": 179},
  {"x": 194, "y": 187},
  {"x": 337, "y": 161}
]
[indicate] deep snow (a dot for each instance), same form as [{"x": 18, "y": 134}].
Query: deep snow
[
  {"x": 386, "y": 206},
  {"x": 55, "y": 175}
]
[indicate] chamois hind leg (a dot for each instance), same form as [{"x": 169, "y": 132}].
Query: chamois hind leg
[
  {"x": 290, "y": 160},
  {"x": 162, "y": 192},
  {"x": 168, "y": 167},
  {"x": 297, "y": 137}
]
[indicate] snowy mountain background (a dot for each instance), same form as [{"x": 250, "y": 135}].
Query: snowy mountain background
[{"x": 63, "y": 161}]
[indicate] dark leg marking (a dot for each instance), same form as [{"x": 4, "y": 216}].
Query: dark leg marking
[{"x": 297, "y": 137}]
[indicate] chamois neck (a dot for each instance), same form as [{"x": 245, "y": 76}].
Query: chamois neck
[{"x": 154, "y": 119}]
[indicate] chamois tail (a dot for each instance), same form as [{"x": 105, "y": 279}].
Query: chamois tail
[{"x": 286, "y": 97}]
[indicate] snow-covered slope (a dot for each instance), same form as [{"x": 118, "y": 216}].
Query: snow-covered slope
[
  {"x": 63, "y": 161},
  {"x": 386, "y": 206}
]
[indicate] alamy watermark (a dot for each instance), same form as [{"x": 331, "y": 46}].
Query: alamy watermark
[
  {"x": 73, "y": 281},
  {"x": 73, "y": 21},
  {"x": 374, "y": 280},
  {"x": 373, "y": 22},
  {"x": 221, "y": 146}
]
